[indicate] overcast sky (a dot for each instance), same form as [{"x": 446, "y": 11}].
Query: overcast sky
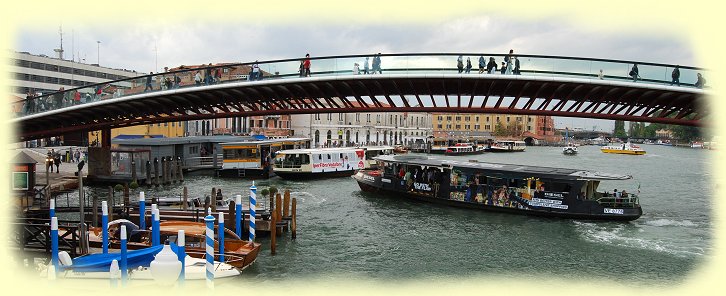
[{"x": 143, "y": 46}]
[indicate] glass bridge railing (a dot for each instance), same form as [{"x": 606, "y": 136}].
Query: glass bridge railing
[{"x": 439, "y": 63}]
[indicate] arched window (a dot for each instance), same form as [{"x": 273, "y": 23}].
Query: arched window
[
  {"x": 317, "y": 137},
  {"x": 368, "y": 137},
  {"x": 347, "y": 137},
  {"x": 356, "y": 138},
  {"x": 330, "y": 136}
]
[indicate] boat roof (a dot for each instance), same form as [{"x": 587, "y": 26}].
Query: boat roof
[
  {"x": 376, "y": 147},
  {"x": 317, "y": 150},
  {"x": 268, "y": 141},
  {"x": 538, "y": 171}
]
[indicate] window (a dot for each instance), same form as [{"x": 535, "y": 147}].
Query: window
[
  {"x": 368, "y": 118},
  {"x": 476, "y": 118},
  {"x": 519, "y": 118},
  {"x": 439, "y": 126},
  {"x": 529, "y": 119},
  {"x": 448, "y": 126},
  {"x": 340, "y": 116},
  {"x": 467, "y": 118},
  {"x": 378, "y": 118},
  {"x": 458, "y": 126},
  {"x": 498, "y": 119},
  {"x": 458, "y": 118},
  {"x": 487, "y": 118},
  {"x": 508, "y": 118},
  {"x": 477, "y": 127},
  {"x": 441, "y": 118},
  {"x": 357, "y": 117},
  {"x": 487, "y": 127},
  {"x": 448, "y": 118},
  {"x": 330, "y": 116},
  {"x": 529, "y": 128},
  {"x": 317, "y": 116},
  {"x": 467, "y": 127}
]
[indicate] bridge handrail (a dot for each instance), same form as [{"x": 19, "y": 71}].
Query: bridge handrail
[{"x": 66, "y": 98}]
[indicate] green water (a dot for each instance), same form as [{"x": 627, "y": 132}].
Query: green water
[{"x": 345, "y": 233}]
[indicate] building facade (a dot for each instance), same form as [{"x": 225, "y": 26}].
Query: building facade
[
  {"x": 356, "y": 129},
  {"x": 446, "y": 125}
]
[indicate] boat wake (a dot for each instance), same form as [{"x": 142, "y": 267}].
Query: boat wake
[
  {"x": 620, "y": 236},
  {"x": 669, "y": 222}
]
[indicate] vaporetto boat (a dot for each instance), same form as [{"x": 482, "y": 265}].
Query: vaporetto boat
[
  {"x": 319, "y": 163},
  {"x": 625, "y": 148},
  {"x": 511, "y": 188}
]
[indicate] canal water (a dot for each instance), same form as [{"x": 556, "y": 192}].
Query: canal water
[{"x": 344, "y": 233}]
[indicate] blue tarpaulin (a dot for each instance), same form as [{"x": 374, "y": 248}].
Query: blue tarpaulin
[{"x": 102, "y": 262}]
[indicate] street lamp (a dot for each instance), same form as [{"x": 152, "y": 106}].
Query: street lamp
[{"x": 98, "y": 53}]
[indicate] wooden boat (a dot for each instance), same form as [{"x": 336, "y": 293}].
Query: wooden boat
[
  {"x": 238, "y": 253},
  {"x": 625, "y": 148},
  {"x": 400, "y": 150},
  {"x": 509, "y": 188}
]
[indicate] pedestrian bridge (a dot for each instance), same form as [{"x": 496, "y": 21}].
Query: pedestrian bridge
[{"x": 545, "y": 85}]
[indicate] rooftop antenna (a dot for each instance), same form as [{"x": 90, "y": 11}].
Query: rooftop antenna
[{"x": 59, "y": 51}]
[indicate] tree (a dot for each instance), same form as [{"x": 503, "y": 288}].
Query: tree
[
  {"x": 619, "y": 131},
  {"x": 686, "y": 133}
]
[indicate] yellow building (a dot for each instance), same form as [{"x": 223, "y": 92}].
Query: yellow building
[
  {"x": 444, "y": 123},
  {"x": 157, "y": 130}
]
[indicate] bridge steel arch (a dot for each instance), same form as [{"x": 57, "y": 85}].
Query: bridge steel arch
[{"x": 470, "y": 93}]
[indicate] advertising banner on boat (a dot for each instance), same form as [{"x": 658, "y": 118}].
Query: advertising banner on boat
[{"x": 337, "y": 161}]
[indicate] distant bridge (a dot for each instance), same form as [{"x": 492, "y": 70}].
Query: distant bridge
[{"x": 556, "y": 86}]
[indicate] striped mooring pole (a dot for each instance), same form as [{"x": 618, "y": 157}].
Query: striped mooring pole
[
  {"x": 238, "y": 215},
  {"x": 104, "y": 225},
  {"x": 124, "y": 260},
  {"x": 155, "y": 225},
  {"x": 209, "y": 220},
  {"x": 220, "y": 229},
  {"x": 142, "y": 211},
  {"x": 52, "y": 207},
  {"x": 181, "y": 253},
  {"x": 54, "y": 245},
  {"x": 253, "y": 204}
]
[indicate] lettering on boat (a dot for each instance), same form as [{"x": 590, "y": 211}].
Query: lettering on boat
[
  {"x": 547, "y": 203},
  {"x": 422, "y": 186},
  {"x": 612, "y": 211},
  {"x": 559, "y": 195},
  {"x": 384, "y": 180},
  {"x": 369, "y": 178}
]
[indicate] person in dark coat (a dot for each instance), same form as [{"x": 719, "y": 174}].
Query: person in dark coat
[
  {"x": 634, "y": 72},
  {"x": 676, "y": 76}
]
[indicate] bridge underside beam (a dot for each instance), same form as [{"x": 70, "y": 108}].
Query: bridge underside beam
[{"x": 623, "y": 101}]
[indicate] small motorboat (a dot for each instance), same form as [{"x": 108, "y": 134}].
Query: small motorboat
[{"x": 570, "y": 149}]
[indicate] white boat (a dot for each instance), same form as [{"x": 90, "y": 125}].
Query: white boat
[
  {"x": 570, "y": 149},
  {"x": 507, "y": 146},
  {"x": 322, "y": 162},
  {"x": 373, "y": 151}
]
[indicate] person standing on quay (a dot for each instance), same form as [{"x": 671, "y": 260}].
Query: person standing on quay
[
  {"x": 306, "y": 65},
  {"x": 468, "y": 66},
  {"x": 482, "y": 64},
  {"x": 148, "y": 82},
  {"x": 676, "y": 75}
]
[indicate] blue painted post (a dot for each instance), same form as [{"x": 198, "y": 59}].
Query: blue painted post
[
  {"x": 209, "y": 220},
  {"x": 104, "y": 225},
  {"x": 142, "y": 211},
  {"x": 54, "y": 244},
  {"x": 52, "y": 207},
  {"x": 238, "y": 215},
  {"x": 253, "y": 205},
  {"x": 220, "y": 229},
  {"x": 181, "y": 254},
  {"x": 155, "y": 225},
  {"x": 124, "y": 259}
]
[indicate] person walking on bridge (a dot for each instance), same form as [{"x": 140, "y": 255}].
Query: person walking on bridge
[
  {"x": 634, "y": 72},
  {"x": 148, "y": 82},
  {"x": 460, "y": 64},
  {"x": 482, "y": 64},
  {"x": 491, "y": 66},
  {"x": 365, "y": 66},
  {"x": 676, "y": 75},
  {"x": 306, "y": 65},
  {"x": 468, "y": 66}
]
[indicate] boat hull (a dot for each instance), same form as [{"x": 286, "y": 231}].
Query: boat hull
[
  {"x": 393, "y": 188},
  {"x": 616, "y": 151},
  {"x": 464, "y": 153},
  {"x": 310, "y": 175}
]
